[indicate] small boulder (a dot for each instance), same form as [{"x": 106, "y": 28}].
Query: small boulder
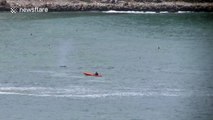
[{"x": 3, "y": 2}]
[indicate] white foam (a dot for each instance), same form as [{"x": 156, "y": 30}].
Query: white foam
[
  {"x": 150, "y": 12},
  {"x": 81, "y": 92},
  {"x": 142, "y": 12},
  {"x": 21, "y": 88},
  {"x": 103, "y": 95},
  {"x": 184, "y": 12},
  {"x": 133, "y": 12},
  {"x": 164, "y": 12},
  {"x": 127, "y": 12}
]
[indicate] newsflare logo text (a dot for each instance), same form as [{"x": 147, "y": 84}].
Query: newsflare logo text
[{"x": 28, "y": 10}]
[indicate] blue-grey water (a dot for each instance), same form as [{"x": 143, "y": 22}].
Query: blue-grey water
[{"x": 154, "y": 66}]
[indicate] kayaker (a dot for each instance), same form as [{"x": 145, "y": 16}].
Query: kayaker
[{"x": 96, "y": 73}]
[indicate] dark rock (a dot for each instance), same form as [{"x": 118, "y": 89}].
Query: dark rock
[
  {"x": 3, "y": 3},
  {"x": 125, "y": 4},
  {"x": 104, "y": 1}
]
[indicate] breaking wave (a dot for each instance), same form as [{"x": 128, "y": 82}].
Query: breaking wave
[
  {"x": 142, "y": 12},
  {"x": 81, "y": 92}
]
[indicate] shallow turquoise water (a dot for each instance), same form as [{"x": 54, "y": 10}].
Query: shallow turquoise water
[{"x": 154, "y": 66}]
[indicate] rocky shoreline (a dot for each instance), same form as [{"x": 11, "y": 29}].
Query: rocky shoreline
[{"x": 65, "y": 5}]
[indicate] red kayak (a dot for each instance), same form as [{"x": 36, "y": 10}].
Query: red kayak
[{"x": 91, "y": 74}]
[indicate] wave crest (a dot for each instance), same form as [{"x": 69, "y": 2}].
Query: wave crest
[{"x": 81, "y": 92}]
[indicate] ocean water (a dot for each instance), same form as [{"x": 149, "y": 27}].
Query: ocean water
[{"x": 156, "y": 66}]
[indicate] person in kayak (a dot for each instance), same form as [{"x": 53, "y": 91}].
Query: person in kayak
[{"x": 96, "y": 73}]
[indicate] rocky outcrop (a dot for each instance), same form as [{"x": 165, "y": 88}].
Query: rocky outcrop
[
  {"x": 103, "y": 5},
  {"x": 4, "y": 5},
  {"x": 131, "y": 6}
]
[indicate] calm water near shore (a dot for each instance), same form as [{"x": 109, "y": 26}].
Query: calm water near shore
[{"x": 154, "y": 66}]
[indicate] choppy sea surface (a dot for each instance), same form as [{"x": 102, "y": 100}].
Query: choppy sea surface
[{"x": 154, "y": 66}]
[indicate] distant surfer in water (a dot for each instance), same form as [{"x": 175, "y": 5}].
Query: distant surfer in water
[{"x": 96, "y": 73}]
